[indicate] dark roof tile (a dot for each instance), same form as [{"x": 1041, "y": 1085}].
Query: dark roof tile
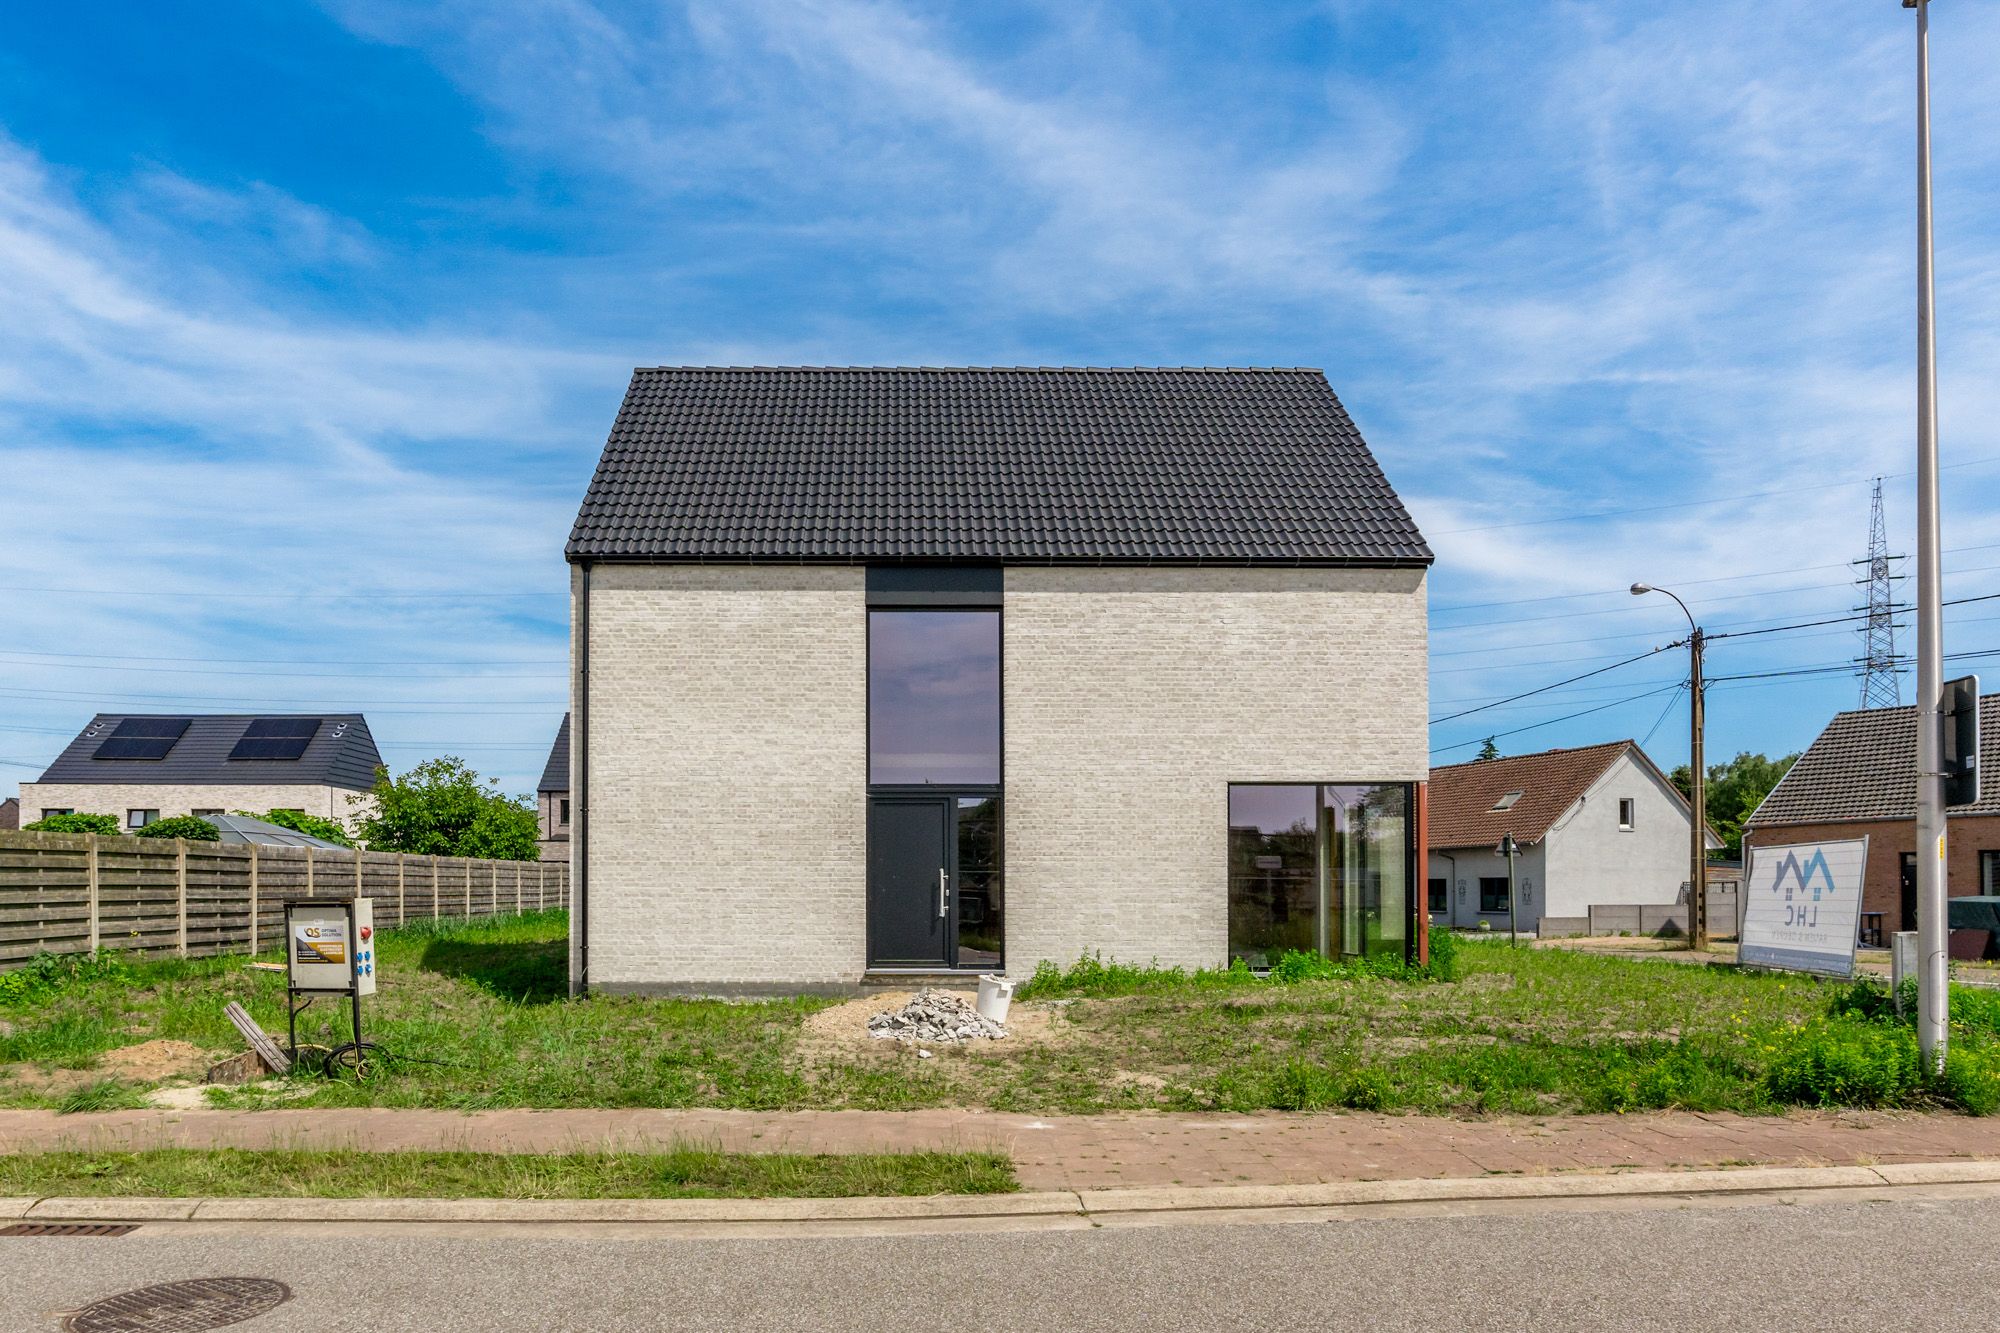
[{"x": 1022, "y": 464}]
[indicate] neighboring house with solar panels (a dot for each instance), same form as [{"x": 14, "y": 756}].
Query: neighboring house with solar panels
[
  {"x": 552, "y": 798},
  {"x": 882, "y": 673},
  {"x": 144, "y": 767}
]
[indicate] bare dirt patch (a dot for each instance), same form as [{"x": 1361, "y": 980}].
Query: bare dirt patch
[
  {"x": 154, "y": 1061},
  {"x": 840, "y": 1033}
]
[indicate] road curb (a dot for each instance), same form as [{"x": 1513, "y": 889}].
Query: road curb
[{"x": 1107, "y": 1206}]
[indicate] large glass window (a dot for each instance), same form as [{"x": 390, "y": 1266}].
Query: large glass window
[
  {"x": 1318, "y": 868},
  {"x": 1273, "y": 872},
  {"x": 934, "y": 698}
]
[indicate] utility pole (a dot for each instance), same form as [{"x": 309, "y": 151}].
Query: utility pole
[
  {"x": 1931, "y": 965},
  {"x": 1510, "y": 849},
  {"x": 1880, "y": 668},
  {"x": 1697, "y": 778}
]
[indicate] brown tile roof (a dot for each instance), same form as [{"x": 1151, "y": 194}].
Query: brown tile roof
[
  {"x": 1863, "y": 766},
  {"x": 1462, "y": 796}
]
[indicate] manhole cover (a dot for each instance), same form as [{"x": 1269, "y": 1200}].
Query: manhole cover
[{"x": 181, "y": 1307}]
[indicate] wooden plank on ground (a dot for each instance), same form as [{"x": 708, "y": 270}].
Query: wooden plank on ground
[{"x": 267, "y": 1049}]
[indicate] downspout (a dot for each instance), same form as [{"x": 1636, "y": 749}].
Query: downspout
[
  {"x": 579, "y": 869},
  {"x": 1450, "y": 890},
  {"x": 1420, "y": 908}
]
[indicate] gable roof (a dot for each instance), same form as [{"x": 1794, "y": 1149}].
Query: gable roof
[
  {"x": 1030, "y": 465},
  {"x": 1462, "y": 796},
  {"x": 340, "y": 753},
  {"x": 1864, "y": 766},
  {"x": 555, "y": 773}
]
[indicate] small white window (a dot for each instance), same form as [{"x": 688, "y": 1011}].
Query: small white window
[
  {"x": 1507, "y": 802},
  {"x": 140, "y": 818},
  {"x": 1625, "y": 805}
]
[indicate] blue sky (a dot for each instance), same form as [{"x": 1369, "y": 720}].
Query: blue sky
[{"x": 315, "y": 317}]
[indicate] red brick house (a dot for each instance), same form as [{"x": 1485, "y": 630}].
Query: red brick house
[{"x": 1859, "y": 780}]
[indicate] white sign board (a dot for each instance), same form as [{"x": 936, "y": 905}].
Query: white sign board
[{"x": 1802, "y": 906}]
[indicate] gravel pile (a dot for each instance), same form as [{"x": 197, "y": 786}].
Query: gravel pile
[{"x": 936, "y": 1017}]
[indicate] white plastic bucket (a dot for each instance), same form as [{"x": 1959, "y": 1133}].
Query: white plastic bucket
[{"x": 995, "y": 994}]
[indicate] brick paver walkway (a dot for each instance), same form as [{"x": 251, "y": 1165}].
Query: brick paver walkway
[{"x": 1084, "y": 1152}]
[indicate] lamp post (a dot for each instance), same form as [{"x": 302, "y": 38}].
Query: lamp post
[
  {"x": 1697, "y": 780},
  {"x": 1931, "y": 965},
  {"x": 1510, "y": 849}
]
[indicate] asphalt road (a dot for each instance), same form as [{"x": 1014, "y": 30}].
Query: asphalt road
[{"x": 1910, "y": 1263}]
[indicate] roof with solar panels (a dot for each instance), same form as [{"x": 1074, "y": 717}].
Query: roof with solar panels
[{"x": 218, "y": 749}]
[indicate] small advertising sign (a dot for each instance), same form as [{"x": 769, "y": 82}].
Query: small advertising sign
[{"x": 1802, "y": 906}]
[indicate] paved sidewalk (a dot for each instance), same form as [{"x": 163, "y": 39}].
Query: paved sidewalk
[{"x": 1086, "y": 1152}]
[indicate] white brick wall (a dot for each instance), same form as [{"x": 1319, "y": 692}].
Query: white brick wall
[
  {"x": 727, "y": 784},
  {"x": 1134, "y": 697},
  {"x": 105, "y": 798},
  {"x": 727, "y": 734}
]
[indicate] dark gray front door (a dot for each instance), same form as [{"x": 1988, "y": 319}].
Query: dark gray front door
[{"x": 909, "y": 860}]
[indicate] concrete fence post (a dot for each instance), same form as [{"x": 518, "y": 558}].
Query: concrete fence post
[
  {"x": 181, "y": 895},
  {"x": 541, "y": 883},
  {"x": 517, "y": 886},
  {"x": 468, "y": 890},
  {"x": 357, "y": 873},
  {"x": 434, "y": 888},
  {"x": 90, "y": 879},
  {"x": 309, "y": 872},
  {"x": 401, "y": 897},
  {"x": 253, "y": 898}
]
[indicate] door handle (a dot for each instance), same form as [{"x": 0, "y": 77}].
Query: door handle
[{"x": 942, "y": 891}]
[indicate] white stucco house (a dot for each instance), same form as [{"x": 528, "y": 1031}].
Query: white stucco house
[
  {"x": 1598, "y": 825},
  {"x": 891, "y": 672}
]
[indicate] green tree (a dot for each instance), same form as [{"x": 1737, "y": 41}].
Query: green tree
[
  {"x": 313, "y": 826},
  {"x": 181, "y": 826},
  {"x": 1488, "y": 749},
  {"x": 74, "y": 824},
  {"x": 1734, "y": 791},
  {"x": 442, "y": 808}
]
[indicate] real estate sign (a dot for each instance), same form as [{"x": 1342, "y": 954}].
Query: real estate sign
[{"x": 1802, "y": 906}]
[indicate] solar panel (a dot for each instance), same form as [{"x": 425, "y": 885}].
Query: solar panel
[
  {"x": 276, "y": 738},
  {"x": 142, "y": 738}
]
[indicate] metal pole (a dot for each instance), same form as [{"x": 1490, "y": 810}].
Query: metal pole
[
  {"x": 1931, "y": 975},
  {"x": 1511, "y": 848},
  {"x": 1697, "y": 934},
  {"x": 1698, "y": 794}
]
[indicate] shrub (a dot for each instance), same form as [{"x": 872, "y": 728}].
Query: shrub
[
  {"x": 1445, "y": 963},
  {"x": 74, "y": 824},
  {"x": 298, "y": 821},
  {"x": 49, "y": 972},
  {"x": 1842, "y": 1062},
  {"x": 182, "y": 826},
  {"x": 1971, "y": 1079}
]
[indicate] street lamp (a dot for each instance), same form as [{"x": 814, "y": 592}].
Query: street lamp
[
  {"x": 1697, "y": 780},
  {"x": 1931, "y": 966},
  {"x": 1509, "y": 849}
]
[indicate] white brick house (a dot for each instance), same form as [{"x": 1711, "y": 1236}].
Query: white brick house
[{"x": 910, "y": 671}]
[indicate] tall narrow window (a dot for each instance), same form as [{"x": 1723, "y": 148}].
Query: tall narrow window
[
  {"x": 1625, "y": 809},
  {"x": 1273, "y": 872},
  {"x": 933, "y": 698}
]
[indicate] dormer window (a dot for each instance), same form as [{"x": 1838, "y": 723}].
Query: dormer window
[{"x": 1507, "y": 802}]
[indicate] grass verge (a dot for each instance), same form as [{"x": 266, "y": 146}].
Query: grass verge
[{"x": 682, "y": 1173}]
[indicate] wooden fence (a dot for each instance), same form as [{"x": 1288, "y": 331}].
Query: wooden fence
[{"x": 72, "y": 893}]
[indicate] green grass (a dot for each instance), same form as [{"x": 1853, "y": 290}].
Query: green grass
[
  {"x": 683, "y": 1173},
  {"x": 475, "y": 1015}
]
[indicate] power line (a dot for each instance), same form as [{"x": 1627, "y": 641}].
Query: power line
[
  {"x": 1534, "y": 726},
  {"x": 1695, "y": 504},
  {"x": 1546, "y": 688}
]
